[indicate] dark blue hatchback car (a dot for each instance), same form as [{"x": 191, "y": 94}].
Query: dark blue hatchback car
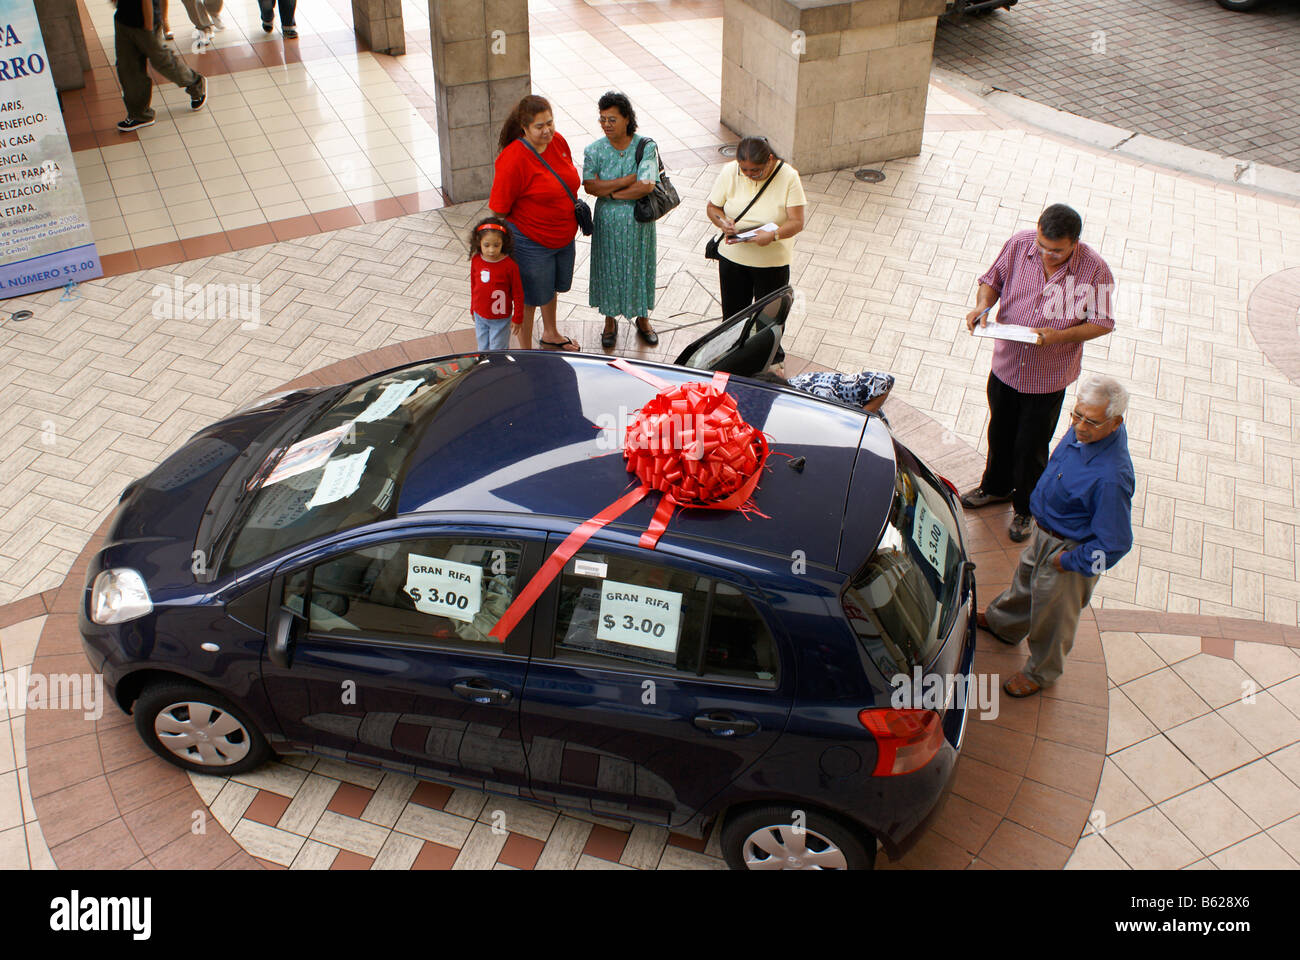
[{"x": 321, "y": 573}]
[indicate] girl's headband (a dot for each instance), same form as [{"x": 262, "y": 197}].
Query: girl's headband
[{"x": 489, "y": 226}]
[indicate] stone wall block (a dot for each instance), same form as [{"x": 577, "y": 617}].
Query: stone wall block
[
  {"x": 452, "y": 21},
  {"x": 874, "y": 13}
]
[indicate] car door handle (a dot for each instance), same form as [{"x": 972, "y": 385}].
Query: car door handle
[
  {"x": 725, "y": 724},
  {"x": 480, "y": 690}
]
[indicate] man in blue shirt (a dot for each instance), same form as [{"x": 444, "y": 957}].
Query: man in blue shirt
[{"x": 1083, "y": 506}]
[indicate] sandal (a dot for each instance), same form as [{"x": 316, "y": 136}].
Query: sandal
[
  {"x": 566, "y": 344},
  {"x": 1020, "y": 686}
]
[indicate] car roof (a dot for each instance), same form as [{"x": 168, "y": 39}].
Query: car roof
[{"x": 541, "y": 433}]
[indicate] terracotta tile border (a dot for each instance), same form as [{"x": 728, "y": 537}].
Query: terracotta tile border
[{"x": 1023, "y": 787}]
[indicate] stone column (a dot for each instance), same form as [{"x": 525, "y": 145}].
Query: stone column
[
  {"x": 379, "y": 24},
  {"x": 832, "y": 84},
  {"x": 65, "y": 43},
  {"x": 480, "y": 69}
]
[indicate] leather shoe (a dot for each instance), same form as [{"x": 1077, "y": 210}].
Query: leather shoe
[
  {"x": 649, "y": 336},
  {"x": 609, "y": 337}
]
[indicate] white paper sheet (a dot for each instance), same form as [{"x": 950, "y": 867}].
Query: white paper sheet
[
  {"x": 388, "y": 401},
  {"x": 444, "y": 588},
  {"x": 341, "y": 478},
  {"x": 1008, "y": 331},
  {"x": 639, "y": 616}
]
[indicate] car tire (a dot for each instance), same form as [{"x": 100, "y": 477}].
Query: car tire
[
  {"x": 199, "y": 730},
  {"x": 1241, "y": 4},
  {"x": 772, "y": 838}
]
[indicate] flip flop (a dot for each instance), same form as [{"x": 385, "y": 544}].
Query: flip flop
[
  {"x": 565, "y": 344},
  {"x": 1020, "y": 685}
]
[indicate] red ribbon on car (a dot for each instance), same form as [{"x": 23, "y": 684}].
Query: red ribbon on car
[{"x": 690, "y": 443}]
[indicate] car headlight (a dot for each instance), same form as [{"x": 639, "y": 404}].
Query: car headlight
[{"x": 119, "y": 595}]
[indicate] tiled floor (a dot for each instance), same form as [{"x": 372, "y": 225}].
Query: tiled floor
[
  {"x": 1203, "y": 758},
  {"x": 96, "y": 391}
]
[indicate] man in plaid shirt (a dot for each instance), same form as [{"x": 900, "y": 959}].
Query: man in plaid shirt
[{"x": 1045, "y": 279}]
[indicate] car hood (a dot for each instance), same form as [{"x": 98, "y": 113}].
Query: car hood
[{"x": 153, "y": 528}]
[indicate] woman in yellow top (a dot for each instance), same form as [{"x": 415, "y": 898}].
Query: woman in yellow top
[{"x": 750, "y": 269}]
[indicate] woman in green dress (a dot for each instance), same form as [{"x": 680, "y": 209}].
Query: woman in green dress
[{"x": 622, "y": 280}]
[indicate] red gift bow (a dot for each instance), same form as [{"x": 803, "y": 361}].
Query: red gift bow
[{"x": 691, "y": 444}]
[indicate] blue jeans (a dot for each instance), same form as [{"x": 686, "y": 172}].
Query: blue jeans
[
  {"x": 492, "y": 334},
  {"x": 544, "y": 271}
]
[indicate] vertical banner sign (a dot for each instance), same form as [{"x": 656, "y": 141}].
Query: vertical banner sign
[{"x": 45, "y": 238}]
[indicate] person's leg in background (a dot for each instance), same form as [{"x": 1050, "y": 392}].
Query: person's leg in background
[
  {"x": 213, "y": 8},
  {"x": 133, "y": 72},
  {"x": 162, "y": 57},
  {"x": 1004, "y": 420},
  {"x": 1036, "y": 423},
  {"x": 287, "y": 9},
  {"x": 736, "y": 287},
  {"x": 768, "y": 280},
  {"x": 198, "y": 15}
]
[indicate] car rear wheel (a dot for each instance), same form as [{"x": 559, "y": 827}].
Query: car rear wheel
[
  {"x": 1241, "y": 4},
  {"x": 786, "y": 838},
  {"x": 199, "y": 730}
]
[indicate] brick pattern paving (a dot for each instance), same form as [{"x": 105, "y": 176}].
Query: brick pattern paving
[{"x": 1181, "y": 70}]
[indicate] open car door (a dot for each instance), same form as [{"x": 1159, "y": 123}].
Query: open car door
[{"x": 746, "y": 344}]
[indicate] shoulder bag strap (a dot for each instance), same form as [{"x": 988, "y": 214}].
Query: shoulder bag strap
[{"x": 525, "y": 142}]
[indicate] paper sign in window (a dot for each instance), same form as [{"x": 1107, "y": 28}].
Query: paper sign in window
[
  {"x": 308, "y": 454},
  {"x": 639, "y": 616},
  {"x": 444, "y": 588},
  {"x": 930, "y": 537},
  {"x": 340, "y": 479},
  {"x": 393, "y": 396}
]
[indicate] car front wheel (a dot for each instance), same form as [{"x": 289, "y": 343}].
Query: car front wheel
[
  {"x": 1241, "y": 4},
  {"x": 198, "y": 730},
  {"x": 786, "y": 838}
]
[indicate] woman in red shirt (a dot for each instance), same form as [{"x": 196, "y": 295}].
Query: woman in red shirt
[{"x": 538, "y": 211}]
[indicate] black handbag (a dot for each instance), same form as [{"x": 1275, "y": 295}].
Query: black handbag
[
  {"x": 580, "y": 209},
  {"x": 661, "y": 199},
  {"x": 711, "y": 248}
]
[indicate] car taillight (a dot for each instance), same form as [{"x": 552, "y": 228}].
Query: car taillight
[
  {"x": 907, "y": 739},
  {"x": 949, "y": 484}
]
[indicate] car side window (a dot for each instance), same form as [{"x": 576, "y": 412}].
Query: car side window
[
  {"x": 444, "y": 590},
  {"x": 617, "y": 611}
]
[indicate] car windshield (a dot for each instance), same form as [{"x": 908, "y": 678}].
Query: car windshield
[
  {"x": 345, "y": 467},
  {"x": 902, "y": 601}
]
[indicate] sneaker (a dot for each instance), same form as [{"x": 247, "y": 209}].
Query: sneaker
[
  {"x": 198, "y": 99},
  {"x": 1021, "y": 524},
  {"x": 127, "y": 125},
  {"x": 267, "y": 26},
  {"x": 978, "y": 498},
  {"x": 290, "y": 33}
]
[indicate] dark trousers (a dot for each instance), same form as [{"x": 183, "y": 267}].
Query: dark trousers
[
  {"x": 135, "y": 50},
  {"x": 287, "y": 8},
  {"x": 740, "y": 285},
  {"x": 1020, "y": 431}
]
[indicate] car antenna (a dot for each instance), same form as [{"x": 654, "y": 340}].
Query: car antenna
[{"x": 797, "y": 464}]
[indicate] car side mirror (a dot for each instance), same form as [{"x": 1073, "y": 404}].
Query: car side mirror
[{"x": 283, "y": 637}]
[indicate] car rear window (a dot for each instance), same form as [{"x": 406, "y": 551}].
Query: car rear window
[{"x": 901, "y": 603}]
